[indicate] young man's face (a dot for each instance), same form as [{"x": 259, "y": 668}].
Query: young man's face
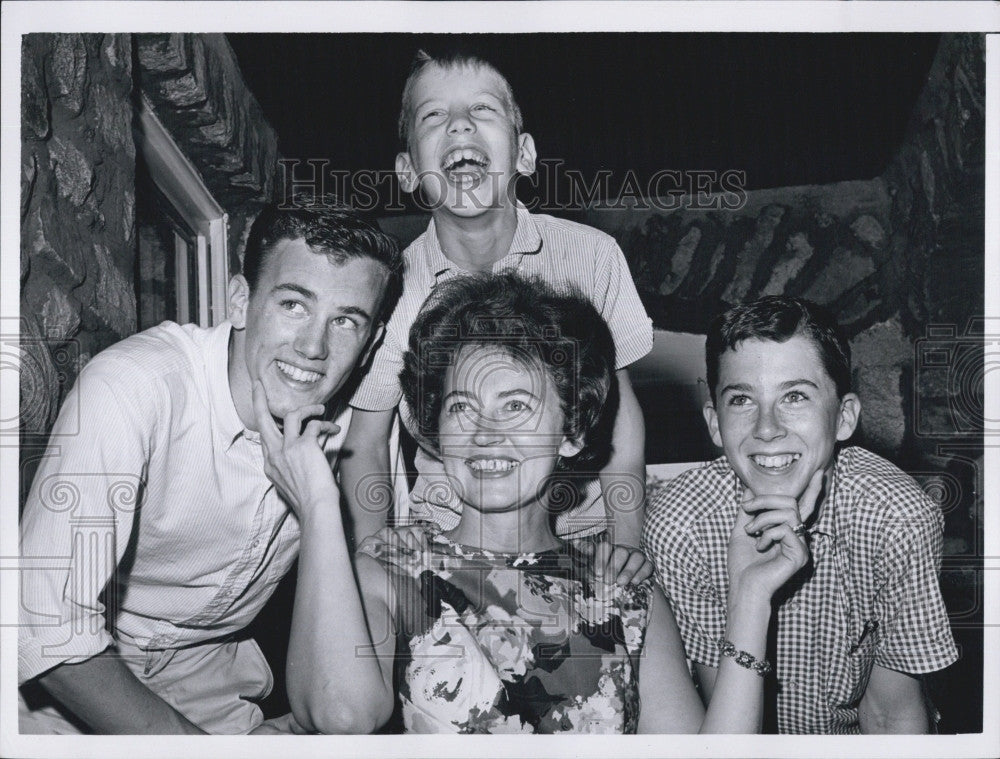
[
  {"x": 777, "y": 415},
  {"x": 303, "y": 329},
  {"x": 463, "y": 152}
]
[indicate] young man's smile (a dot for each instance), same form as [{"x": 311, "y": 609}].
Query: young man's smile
[{"x": 304, "y": 327}]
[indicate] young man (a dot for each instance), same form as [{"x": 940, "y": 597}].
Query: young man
[
  {"x": 151, "y": 536},
  {"x": 862, "y": 622},
  {"x": 463, "y": 149}
]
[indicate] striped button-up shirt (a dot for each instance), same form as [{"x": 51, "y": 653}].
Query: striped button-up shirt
[
  {"x": 557, "y": 251},
  {"x": 151, "y": 511},
  {"x": 870, "y": 594}
]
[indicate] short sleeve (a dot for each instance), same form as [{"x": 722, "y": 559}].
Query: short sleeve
[
  {"x": 78, "y": 517},
  {"x": 683, "y": 572},
  {"x": 618, "y": 301},
  {"x": 914, "y": 633}
]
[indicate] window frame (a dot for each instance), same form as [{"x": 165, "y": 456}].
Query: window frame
[{"x": 182, "y": 185}]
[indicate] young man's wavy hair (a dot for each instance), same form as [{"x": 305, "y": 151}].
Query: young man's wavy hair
[
  {"x": 780, "y": 318},
  {"x": 535, "y": 325},
  {"x": 329, "y": 227},
  {"x": 449, "y": 60}
]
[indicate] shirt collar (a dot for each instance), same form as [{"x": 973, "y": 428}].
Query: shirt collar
[
  {"x": 229, "y": 426},
  {"x": 527, "y": 241}
]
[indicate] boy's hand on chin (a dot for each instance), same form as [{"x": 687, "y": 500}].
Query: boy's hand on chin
[{"x": 767, "y": 545}]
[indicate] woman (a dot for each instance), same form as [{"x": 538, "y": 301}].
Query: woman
[{"x": 498, "y": 625}]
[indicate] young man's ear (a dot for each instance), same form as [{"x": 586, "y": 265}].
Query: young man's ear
[
  {"x": 405, "y": 172},
  {"x": 712, "y": 421},
  {"x": 526, "y": 155},
  {"x": 848, "y": 416},
  {"x": 239, "y": 297}
]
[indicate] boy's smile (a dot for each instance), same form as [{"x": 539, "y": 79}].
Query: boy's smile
[
  {"x": 777, "y": 416},
  {"x": 463, "y": 151}
]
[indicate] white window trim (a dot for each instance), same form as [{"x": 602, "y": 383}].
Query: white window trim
[{"x": 182, "y": 185}]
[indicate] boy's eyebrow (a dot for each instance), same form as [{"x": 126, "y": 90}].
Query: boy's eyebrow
[
  {"x": 738, "y": 387},
  {"x": 793, "y": 383}
]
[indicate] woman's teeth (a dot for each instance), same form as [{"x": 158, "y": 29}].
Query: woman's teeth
[
  {"x": 492, "y": 465},
  {"x": 299, "y": 375},
  {"x": 775, "y": 462}
]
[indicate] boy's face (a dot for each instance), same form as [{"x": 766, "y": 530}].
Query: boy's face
[
  {"x": 777, "y": 415},
  {"x": 463, "y": 152}
]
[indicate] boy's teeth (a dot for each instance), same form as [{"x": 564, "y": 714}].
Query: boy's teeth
[
  {"x": 300, "y": 375},
  {"x": 775, "y": 462},
  {"x": 464, "y": 154},
  {"x": 492, "y": 465}
]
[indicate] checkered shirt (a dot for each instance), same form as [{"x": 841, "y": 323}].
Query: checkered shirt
[{"x": 876, "y": 551}]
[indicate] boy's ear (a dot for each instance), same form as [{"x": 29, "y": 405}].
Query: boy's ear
[
  {"x": 405, "y": 172},
  {"x": 848, "y": 416},
  {"x": 526, "y": 155},
  {"x": 239, "y": 297},
  {"x": 712, "y": 421},
  {"x": 569, "y": 448}
]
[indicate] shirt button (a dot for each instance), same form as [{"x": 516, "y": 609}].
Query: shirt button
[
  {"x": 791, "y": 685},
  {"x": 794, "y": 605},
  {"x": 256, "y": 542}
]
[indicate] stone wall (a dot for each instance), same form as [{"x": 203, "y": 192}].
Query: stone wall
[
  {"x": 194, "y": 84},
  {"x": 77, "y": 216}
]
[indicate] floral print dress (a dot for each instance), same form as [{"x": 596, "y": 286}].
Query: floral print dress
[{"x": 512, "y": 643}]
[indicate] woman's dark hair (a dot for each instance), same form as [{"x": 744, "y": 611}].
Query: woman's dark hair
[
  {"x": 328, "y": 227},
  {"x": 560, "y": 331},
  {"x": 779, "y": 318}
]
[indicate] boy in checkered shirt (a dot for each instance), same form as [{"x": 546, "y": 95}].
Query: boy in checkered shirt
[{"x": 860, "y": 624}]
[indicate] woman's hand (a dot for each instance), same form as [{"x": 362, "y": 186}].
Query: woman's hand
[
  {"x": 294, "y": 461},
  {"x": 764, "y": 549}
]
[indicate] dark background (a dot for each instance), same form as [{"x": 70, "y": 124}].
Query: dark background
[{"x": 788, "y": 109}]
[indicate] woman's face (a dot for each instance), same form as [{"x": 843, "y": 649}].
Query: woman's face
[{"x": 501, "y": 429}]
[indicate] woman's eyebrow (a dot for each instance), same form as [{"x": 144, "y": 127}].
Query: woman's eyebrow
[
  {"x": 793, "y": 383},
  {"x": 517, "y": 391}
]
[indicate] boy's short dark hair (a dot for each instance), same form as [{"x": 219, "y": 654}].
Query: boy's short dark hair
[
  {"x": 526, "y": 318},
  {"x": 328, "y": 227},
  {"x": 450, "y": 59},
  {"x": 779, "y": 318}
]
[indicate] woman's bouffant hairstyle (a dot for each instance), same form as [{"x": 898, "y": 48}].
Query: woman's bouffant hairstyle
[
  {"x": 780, "y": 318},
  {"x": 561, "y": 332}
]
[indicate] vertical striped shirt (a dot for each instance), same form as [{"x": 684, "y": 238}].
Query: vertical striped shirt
[
  {"x": 151, "y": 510},
  {"x": 870, "y": 594}
]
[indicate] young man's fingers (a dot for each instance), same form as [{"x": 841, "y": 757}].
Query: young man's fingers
[
  {"x": 807, "y": 501},
  {"x": 292, "y": 423},
  {"x": 316, "y": 427},
  {"x": 269, "y": 433},
  {"x": 791, "y": 544}
]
